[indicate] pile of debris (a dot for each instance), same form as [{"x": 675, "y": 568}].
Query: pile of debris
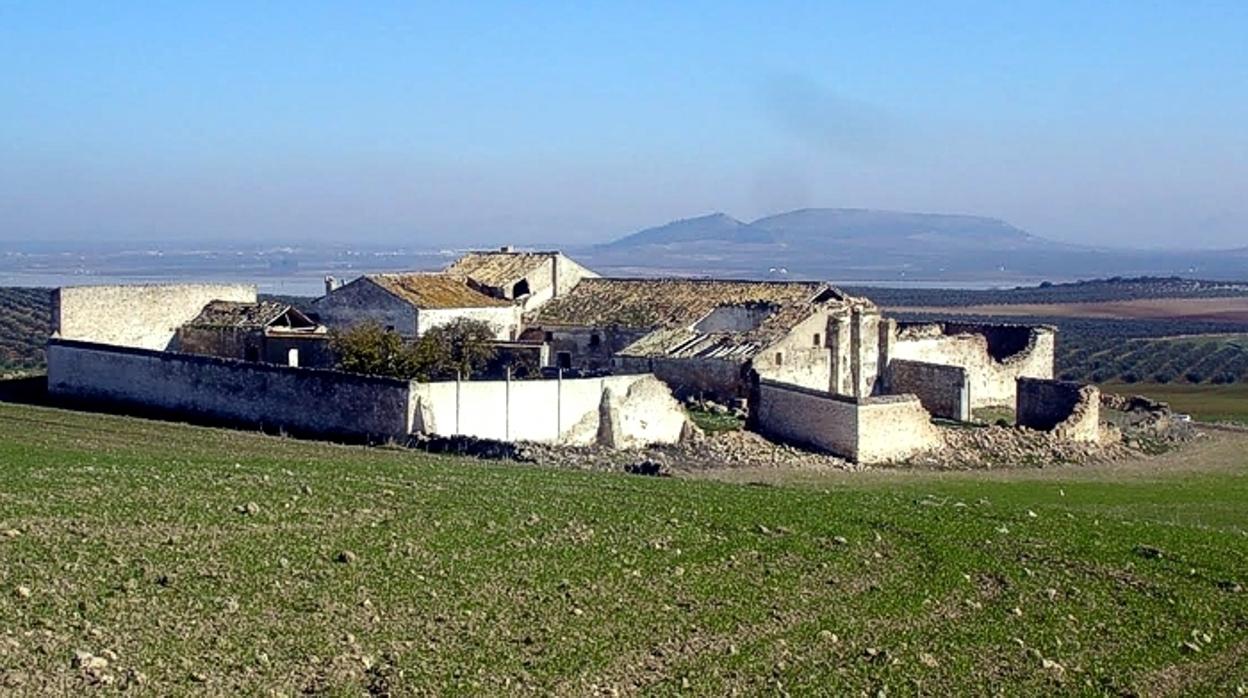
[
  {"x": 727, "y": 449},
  {"x": 1011, "y": 447},
  {"x": 1145, "y": 424}
]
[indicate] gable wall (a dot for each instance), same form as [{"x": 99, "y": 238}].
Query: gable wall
[{"x": 362, "y": 301}]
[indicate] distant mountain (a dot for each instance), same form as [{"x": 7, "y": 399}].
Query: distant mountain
[
  {"x": 716, "y": 226},
  {"x": 863, "y": 244}
]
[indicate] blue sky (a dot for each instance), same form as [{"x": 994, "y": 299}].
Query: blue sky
[{"x": 1119, "y": 124}]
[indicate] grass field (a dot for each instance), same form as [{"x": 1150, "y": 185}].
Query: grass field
[
  {"x": 198, "y": 560},
  {"x": 1208, "y": 403}
]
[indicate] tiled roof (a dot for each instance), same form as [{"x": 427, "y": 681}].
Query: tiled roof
[
  {"x": 243, "y": 315},
  {"x": 685, "y": 342},
  {"x": 668, "y": 303},
  {"x": 435, "y": 291},
  {"x": 498, "y": 269}
]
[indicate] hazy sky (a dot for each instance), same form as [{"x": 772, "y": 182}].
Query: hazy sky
[{"x": 1114, "y": 123}]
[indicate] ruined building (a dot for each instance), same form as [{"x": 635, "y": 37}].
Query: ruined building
[{"x": 813, "y": 364}]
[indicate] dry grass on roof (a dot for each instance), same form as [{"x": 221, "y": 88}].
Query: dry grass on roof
[
  {"x": 498, "y": 269},
  {"x": 435, "y": 291},
  {"x": 645, "y": 303}
]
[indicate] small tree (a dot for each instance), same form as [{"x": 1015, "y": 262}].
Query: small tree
[
  {"x": 370, "y": 349},
  {"x": 462, "y": 347}
]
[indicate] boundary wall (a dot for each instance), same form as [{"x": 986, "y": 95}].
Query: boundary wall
[
  {"x": 865, "y": 430},
  {"x": 303, "y": 401},
  {"x": 1068, "y": 410},
  {"x": 616, "y": 411},
  {"x": 613, "y": 411}
]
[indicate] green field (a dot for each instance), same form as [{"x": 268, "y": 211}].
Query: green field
[
  {"x": 200, "y": 560},
  {"x": 1207, "y": 403}
]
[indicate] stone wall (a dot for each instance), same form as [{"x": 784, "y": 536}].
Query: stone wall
[
  {"x": 893, "y": 428},
  {"x": 144, "y": 316},
  {"x": 364, "y": 301},
  {"x": 299, "y": 400},
  {"x": 721, "y": 380},
  {"x": 994, "y": 356},
  {"x": 1069, "y": 410},
  {"x": 615, "y": 411},
  {"x": 867, "y": 430},
  {"x": 582, "y": 351},
  {"x": 943, "y": 390}
]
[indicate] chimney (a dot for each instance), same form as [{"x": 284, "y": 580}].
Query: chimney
[
  {"x": 330, "y": 284},
  {"x": 506, "y": 248}
]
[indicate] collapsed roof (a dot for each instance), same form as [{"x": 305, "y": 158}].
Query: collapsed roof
[
  {"x": 259, "y": 315},
  {"x": 681, "y": 314}
]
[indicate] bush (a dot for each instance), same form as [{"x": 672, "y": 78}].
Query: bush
[{"x": 460, "y": 348}]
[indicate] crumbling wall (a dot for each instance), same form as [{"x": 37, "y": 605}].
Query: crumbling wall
[
  {"x": 638, "y": 409},
  {"x": 943, "y": 390},
  {"x": 867, "y": 430},
  {"x": 854, "y": 342},
  {"x": 893, "y": 428},
  {"x": 144, "y": 316},
  {"x": 1070, "y": 410},
  {"x": 299, "y": 400},
  {"x": 994, "y": 356},
  {"x": 716, "y": 379}
]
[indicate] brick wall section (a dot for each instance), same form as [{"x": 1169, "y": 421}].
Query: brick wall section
[
  {"x": 1069, "y": 410},
  {"x": 866, "y": 430},
  {"x": 943, "y": 390},
  {"x": 299, "y": 400}
]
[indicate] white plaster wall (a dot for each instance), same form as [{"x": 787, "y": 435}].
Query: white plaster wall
[
  {"x": 991, "y": 382},
  {"x": 313, "y": 401},
  {"x": 894, "y": 428},
  {"x": 548, "y": 411},
  {"x": 803, "y": 362},
  {"x": 145, "y": 316},
  {"x": 504, "y": 320}
]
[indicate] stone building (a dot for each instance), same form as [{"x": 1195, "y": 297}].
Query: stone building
[
  {"x": 265, "y": 330},
  {"x": 411, "y": 304},
  {"x": 528, "y": 278},
  {"x": 705, "y": 336}
]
